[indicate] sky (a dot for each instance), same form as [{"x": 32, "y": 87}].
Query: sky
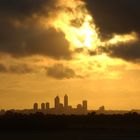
[{"x": 87, "y": 49}]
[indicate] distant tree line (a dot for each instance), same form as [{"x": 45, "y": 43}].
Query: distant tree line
[{"x": 126, "y": 123}]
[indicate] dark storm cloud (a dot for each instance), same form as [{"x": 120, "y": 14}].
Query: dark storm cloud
[
  {"x": 120, "y": 17},
  {"x": 32, "y": 40},
  {"x": 116, "y": 16},
  {"x": 126, "y": 51},
  {"x": 59, "y": 71},
  {"x": 23, "y": 8},
  {"x": 21, "y": 34},
  {"x": 129, "y": 52}
]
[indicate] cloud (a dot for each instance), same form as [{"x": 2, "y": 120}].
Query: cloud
[
  {"x": 23, "y": 35},
  {"x": 32, "y": 41},
  {"x": 20, "y": 69},
  {"x": 3, "y": 68},
  {"x": 23, "y": 9},
  {"x": 16, "y": 68},
  {"x": 116, "y": 16},
  {"x": 129, "y": 52},
  {"x": 59, "y": 71}
]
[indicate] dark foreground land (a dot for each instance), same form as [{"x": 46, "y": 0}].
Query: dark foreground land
[{"x": 50, "y": 127}]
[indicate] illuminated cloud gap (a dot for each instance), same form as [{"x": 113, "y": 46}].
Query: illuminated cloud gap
[{"x": 75, "y": 21}]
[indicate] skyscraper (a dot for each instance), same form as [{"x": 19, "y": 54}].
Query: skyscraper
[
  {"x": 65, "y": 101},
  {"x": 47, "y": 106},
  {"x": 35, "y": 107},
  {"x": 85, "y": 105},
  {"x": 57, "y": 102},
  {"x": 43, "y": 106}
]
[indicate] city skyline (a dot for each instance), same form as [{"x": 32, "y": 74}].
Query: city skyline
[
  {"x": 74, "y": 104},
  {"x": 61, "y": 108},
  {"x": 65, "y": 108}
]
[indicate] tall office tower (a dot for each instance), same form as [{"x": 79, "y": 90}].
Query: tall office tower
[
  {"x": 85, "y": 105},
  {"x": 79, "y": 107},
  {"x": 47, "y": 106},
  {"x": 65, "y": 101},
  {"x": 35, "y": 107},
  {"x": 43, "y": 106},
  {"x": 57, "y": 102}
]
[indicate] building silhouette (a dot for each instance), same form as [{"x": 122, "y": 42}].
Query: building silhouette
[
  {"x": 47, "y": 106},
  {"x": 85, "y": 105},
  {"x": 43, "y": 106},
  {"x": 35, "y": 107},
  {"x": 101, "y": 110},
  {"x": 65, "y": 101},
  {"x": 57, "y": 102},
  {"x": 79, "y": 107},
  {"x": 62, "y": 108}
]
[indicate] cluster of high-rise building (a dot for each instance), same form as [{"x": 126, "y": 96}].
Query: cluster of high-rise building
[
  {"x": 64, "y": 108},
  {"x": 61, "y": 108}
]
